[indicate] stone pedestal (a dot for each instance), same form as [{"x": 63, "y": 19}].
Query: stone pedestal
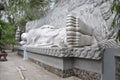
[
  {"x": 111, "y": 64},
  {"x": 65, "y": 63}
]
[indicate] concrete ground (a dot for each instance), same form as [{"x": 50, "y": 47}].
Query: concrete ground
[{"x": 8, "y": 70}]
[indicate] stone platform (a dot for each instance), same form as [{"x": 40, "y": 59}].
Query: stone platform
[{"x": 66, "y": 62}]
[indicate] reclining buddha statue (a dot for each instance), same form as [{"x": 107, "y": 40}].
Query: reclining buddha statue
[{"x": 76, "y": 34}]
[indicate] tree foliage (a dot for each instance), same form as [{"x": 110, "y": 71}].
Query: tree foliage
[
  {"x": 21, "y": 11},
  {"x": 7, "y": 32},
  {"x": 116, "y": 21}
]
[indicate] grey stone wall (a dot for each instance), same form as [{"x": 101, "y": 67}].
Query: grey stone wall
[
  {"x": 87, "y": 75},
  {"x": 49, "y": 60},
  {"x": 85, "y": 69},
  {"x": 88, "y": 64}
]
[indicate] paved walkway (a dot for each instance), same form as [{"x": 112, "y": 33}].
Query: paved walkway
[{"x": 8, "y": 70}]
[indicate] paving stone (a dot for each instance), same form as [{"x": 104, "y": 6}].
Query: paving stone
[{"x": 33, "y": 71}]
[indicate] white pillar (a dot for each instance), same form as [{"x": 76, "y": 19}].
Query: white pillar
[{"x": 25, "y": 57}]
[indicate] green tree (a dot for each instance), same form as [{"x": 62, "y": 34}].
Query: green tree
[
  {"x": 7, "y": 32},
  {"x": 21, "y": 11},
  {"x": 116, "y": 21}
]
